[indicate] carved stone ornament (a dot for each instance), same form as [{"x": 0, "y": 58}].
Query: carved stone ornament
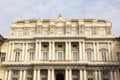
[{"x": 60, "y": 18}]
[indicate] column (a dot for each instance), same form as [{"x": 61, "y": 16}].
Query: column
[
  {"x": 83, "y": 50},
  {"x": 26, "y": 52},
  {"x": 81, "y": 75},
  {"x": 111, "y": 75},
  {"x": 49, "y": 50},
  {"x": 9, "y": 75},
  {"x": 80, "y": 49},
  {"x": 70, "y": 57},
  {"x": 24, "y": 75},
  {"x": 34, "y": 76},
  {"x": 70, "y": 74},
  {"x": 40, "y": 58},
  {"x": 36, "y": 51},
  {"x": 109, "y": 55},
  {"x": 66, "y": 50},
  {"x": 66, "y": 74},
  {"x": 95, "y": 56},
  {"x": 85, "y": 75},
  {"x": 100, "y": 77},
  {"x": 38, "y": 74},
  {"x": 12, "y": 53},
  {"x": 53, "y": 50},
  {"x": 20, "y": 75},
  {"x": 48, "y": 74},
  {"x": 53, "y": 76},
  {"x": 96, "y": 76},
  {"x": 97, "y": 51},
  {"x": 9, "y": 52},
  {"x": 23, "y": 52},
  {"x": 112, "y": 53},
  {"x": 6, "y": 75},
  {"x": 115, "y": 75}
]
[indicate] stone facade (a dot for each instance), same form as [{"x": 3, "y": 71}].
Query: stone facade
[{"x": 61, "y": 49}]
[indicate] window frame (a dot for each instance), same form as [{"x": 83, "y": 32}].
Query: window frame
[
  {"x": 60, "y": 32},
  {"x": 76, "y": 58},
  {"x": 17, "y": 56},
  {"x": 46, "y": 54},
  {"x": 31, "y": 55},
  {"x": 62, "y": 55},
  {"x": 89, "y": 55},
  {"x": 104, "y": 55}
]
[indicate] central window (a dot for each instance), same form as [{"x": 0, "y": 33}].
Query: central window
[
  {"x": 46, "y": 32},
  {"x": 60, "y": 55},
  {"x": 17, "y": 56},
  {"x": 88, "y": 32},
  {"x": 89, "y": 55},
  {"x": 60, "y": 32},
  {"x": 104, "y": 55},
  {"x": 45, "y": 55},
  {"x": 74, "y": 32},
  {"x": 31, "y": 56},
  {"x": 75, "y": 55},
  {"x": 102, "y": 32}
]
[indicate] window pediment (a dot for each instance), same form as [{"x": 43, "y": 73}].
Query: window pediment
[
  {"x": 89, "y": 49},
  {"x": 17, "y": 49},
  {"x": 31, "y": 49},
  {"x": 103, "y": 49}
]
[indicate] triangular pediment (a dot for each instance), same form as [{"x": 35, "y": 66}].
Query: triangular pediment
[
  {"x": 17, "y": 49},
  {"x": 103, "y": 49},
  {"x": 31, "y": 49},
  {"x": 89, "y": 49},
  {"x": 60, "y": 19}
]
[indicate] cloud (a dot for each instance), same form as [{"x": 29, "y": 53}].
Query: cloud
[{"x": 11, "y": 10}]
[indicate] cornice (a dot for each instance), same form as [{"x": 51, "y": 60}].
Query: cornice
[{"x": 63, "y": 37}]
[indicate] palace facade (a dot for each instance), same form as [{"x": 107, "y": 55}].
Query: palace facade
[{"x": 60, "y": 49}]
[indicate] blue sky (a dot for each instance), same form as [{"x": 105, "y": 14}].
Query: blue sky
[{"x": 11, "y": 10}]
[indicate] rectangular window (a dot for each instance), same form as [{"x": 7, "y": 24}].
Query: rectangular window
[
  {"x": 44, "y": 78},
  {"x": 90, "y": 73},
  {"x": 29, "y": 79},
  {"x": 2, "y": 56},
  {"x": 15, "y": 72},
  {"x": 74, "y": 45},
  {"x": 60, "y": 32},
  {"x": 75, "y": 78},
  {"x": 102, "y": 32},
  {"x": 46, "y": 32},
  {"x": 60, "y": 55},
  {"x": 74, "y": 32},
  {"x": 90, "y": 78},
  {"x": 32, "y": 33},
  {"x": 31, "y": 56},
  {"x": 17, "y": 56},
  {"x": 14, "y": 79},
  {"x": 105, "y": 73},
  {"x": 89, "y": 55},
  {"x": 30, "y": 72},
  {"x": 104, "y": 55},
  {"x": 45, "y": 45},
  {"x": 45, "y": 56},
  {"x": 75, "y": 55},
  {"x": 59, "y": 45},
  {"x": 19, "y": 33},
  {"x": 88, "y": 33}
]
